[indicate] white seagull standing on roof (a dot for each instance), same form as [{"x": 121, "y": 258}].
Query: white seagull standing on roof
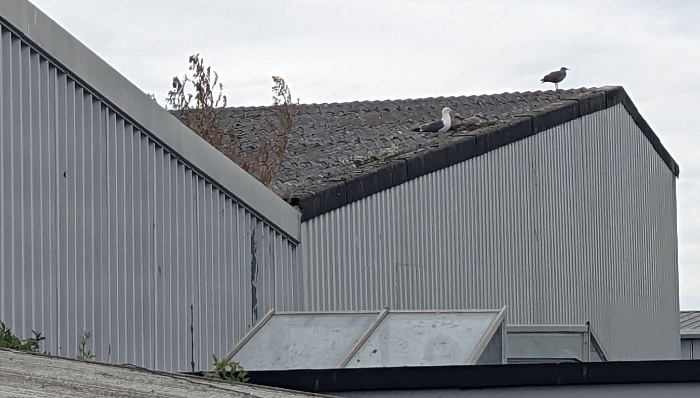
[{"x": 438, "y": 126}]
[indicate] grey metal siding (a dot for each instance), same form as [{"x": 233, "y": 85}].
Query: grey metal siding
[
  {"x": 105, "y": 230},
  {"x": 574, "y": 224},
  {"x": 690, "y": 348}
]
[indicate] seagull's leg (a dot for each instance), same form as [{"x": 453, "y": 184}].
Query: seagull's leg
[{"x": 556, "y": 86}]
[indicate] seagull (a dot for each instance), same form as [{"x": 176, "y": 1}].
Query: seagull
[
  {"x": 437, "y": 126},
  {"x": 555, "y": 77},
  {"x": 474, "y": 120},
  {"x": 470, "y": 123}
]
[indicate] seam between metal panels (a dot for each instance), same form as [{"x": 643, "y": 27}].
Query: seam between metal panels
[{"x": 364, "y": 337}]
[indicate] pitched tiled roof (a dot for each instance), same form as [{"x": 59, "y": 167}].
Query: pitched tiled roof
[
  {"x": 690, "y": 320},
  {"x": 341, "y": 152}
]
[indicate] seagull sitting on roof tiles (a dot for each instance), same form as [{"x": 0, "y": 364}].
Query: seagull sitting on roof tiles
[
  {"x": 470, "y": 123},
  {"x": 437, "y": 126},
  {"x": 555, "y": 77}
]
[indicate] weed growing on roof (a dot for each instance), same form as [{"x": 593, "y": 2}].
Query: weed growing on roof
[
  {"x": 31, "y": 344},
  {"x": 266, "y": 162},
  {"x": 198, "y": 98},
  {"x": 11, "y": 341},
  {"x": 83, "y": 352},
  {"x": 227, "y": 370}
]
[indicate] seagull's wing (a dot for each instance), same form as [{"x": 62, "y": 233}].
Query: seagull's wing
[
  {"x": 431, "y": 127},
  {"x": 551, "y": 77}
]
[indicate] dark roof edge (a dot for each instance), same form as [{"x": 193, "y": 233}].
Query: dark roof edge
[
  {"x": 400, "y": 170},
  {"x": 616, "y": 95},
  {"x": 480, "y": 376}
]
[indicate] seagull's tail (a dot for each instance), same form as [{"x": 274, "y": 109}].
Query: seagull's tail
[{"x": 416, "y": 129}]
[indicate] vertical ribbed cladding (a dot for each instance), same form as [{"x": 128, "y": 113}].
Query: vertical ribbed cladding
[
  {"x": 104, "y": 230},
  {"x": 576, "y": 223},
  {"x": 690, "y": 348},
  {"x": 27, "y": 198},
  {"x": 175, "y": 273},
  {"x": 555, "y": 188}
]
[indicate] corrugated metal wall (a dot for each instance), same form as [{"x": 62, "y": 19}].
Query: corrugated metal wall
[
  {"x": 690, "y": 348},
  {"x": 104, "y": 230},
  {"x": 576, "y": 223}
]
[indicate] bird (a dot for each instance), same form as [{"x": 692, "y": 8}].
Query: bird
[
  {"x": 555, "y": 77},
  {"x": 437, "y": 126},
  {"x": 471, "y": 122}
]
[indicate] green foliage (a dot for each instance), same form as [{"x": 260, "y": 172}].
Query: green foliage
[
  {"x": 225, "y": 370},
  {"x": 83, "y": 352},
  {"x": 228, "y": 370},
  {"x": 9, "y": 340}
]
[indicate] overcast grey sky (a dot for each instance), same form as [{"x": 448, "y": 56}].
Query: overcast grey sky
[{"x": 334, "y": 51}]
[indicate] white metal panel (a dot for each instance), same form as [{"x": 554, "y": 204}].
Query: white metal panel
[
  {"x": 105, "y": 230},
  {"x": 297, "y": 341},
  {"x": 574, "y": 224},
  {"x": 339, "y": 339},
  {"x": 427, "y": 339}
]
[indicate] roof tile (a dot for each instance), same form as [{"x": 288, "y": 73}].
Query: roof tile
[
  {"x": 330, "y": 140},
  {"x": 690, "y": 320},
  {"x": 334, "y": 143}
]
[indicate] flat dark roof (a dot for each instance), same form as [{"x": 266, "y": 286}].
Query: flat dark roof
[{"x": 481, "y": 376}]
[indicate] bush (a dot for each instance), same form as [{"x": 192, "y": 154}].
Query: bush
[
  {"x": 9, "y": 340},
  {"x": 227, "y": 370}
]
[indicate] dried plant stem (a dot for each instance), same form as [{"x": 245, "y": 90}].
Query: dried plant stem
[{"x": 199, "y": 97}]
